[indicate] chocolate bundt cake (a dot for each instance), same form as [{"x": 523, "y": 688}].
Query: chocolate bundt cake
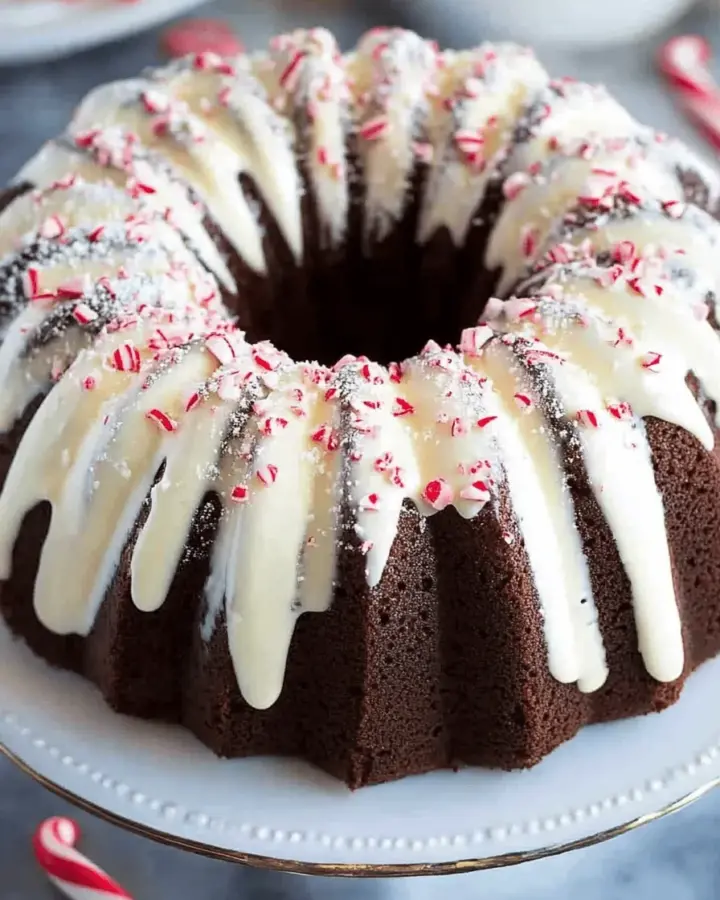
[{"x": 468, "y": 526}]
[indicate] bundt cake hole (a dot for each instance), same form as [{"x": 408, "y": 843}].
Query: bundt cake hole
[{"x": 392, "y": 328}]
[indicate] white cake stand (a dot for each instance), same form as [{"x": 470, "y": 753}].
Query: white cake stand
[{"x": 158, "y": 781}]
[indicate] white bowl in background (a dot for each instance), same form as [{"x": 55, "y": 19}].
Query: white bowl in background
[
  {"x": 35, "y": 30},
  {"x": 578, "y": 22}
]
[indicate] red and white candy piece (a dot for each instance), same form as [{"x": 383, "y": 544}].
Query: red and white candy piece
[
  {"x": 588, "y": 418},
  {"x": 125, "y": 358},
  {"x": 523, "y": 401},
  {"x": 375, "y": 128},
  {"x": 477, "y": 492},
  {"x": 33, "y": 288},
  {"x": 52, "y": 228},
  {"x": 472, "y": 340},
  {"x": 470, "y": 142},
  {"x": 684, "y": 60},
  {"x": 162, "y": 420},
  {"x": 223, "y": 347},
  {"x": 651, "y": 361},
  {"x": 290, "y": 75},
  {"x": 370, "y": 502},
  {"x": 529, "y": 241},
  {"x": 240, "y": 493},
  {"x": 402, "y": 407},
  {"x": 621, "y": 411},
  {"x": 73, "y": 874},
  {"x": 515, "y": 184},
  {"x": 267, "y": 474},
  {"x": 84, "y": 314},
  {"x": 72, "y": 289},
  {"x": 201, "y": 36}
]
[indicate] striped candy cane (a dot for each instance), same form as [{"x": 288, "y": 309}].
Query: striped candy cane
[
  {"x": 684, "y": 60},
  {"x": 71, "y": 872}
]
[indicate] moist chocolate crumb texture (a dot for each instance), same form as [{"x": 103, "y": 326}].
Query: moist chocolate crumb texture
[{"x": 362, "y": 408}]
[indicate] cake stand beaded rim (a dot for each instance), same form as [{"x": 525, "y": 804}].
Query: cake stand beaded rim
[
  {"x": 350, "y": 870},
  {"x": 265, "y": 834},
  {"x": 37, "y": 747}
]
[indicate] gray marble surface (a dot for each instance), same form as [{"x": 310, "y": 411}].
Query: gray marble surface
[{"x": 675, "y": 859}]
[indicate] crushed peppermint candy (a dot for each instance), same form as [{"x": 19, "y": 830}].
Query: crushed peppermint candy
[
  {"x": 267, "y": 474},
  {"x": 588, "y": 418},
  {"x": 624, "y": 252},
  {"x": 529, "y": 241},
  {"x": 32, "y": 286},
  {"x": 622, "y": 411},
  {"x": 438, "y": 494},
  {"x": 477, "y": 492},
  {"x": 396, "y": 372},
  {"x": 52, "y": 228},
  {"x": 402, "y": 407},
  {"x": 622, "y": 338},
  {"x": 515, "y": 184},
  {"x": 290, "y": 75},
  {"x": 273, "y": 425},
  {"x": 472, "y": 340},
  {"x": 370, "y": 502},
  {"x": 517, "y": 309},
  {"x": 523, "y": 401},
  {"x": 162, "y": 420},
  {"x": 125, "y": 358},
  {"x": 384, "y": 463},
  {"x": 650, "y": 361},
  {"x": 222, "y": 346},
  {"x": 192, "y": 401},
  {"x": 375, "y": 128},
  {"x": 674, "y": 209},
  {"x": 72, "y": 289},
  {"x": 240, "y": 493},
  {"x": 84, "y": 314},
  {"x": 471, "y": 144}
]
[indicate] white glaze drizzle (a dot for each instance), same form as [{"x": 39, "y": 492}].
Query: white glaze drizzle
[
  {"x": 618, "y": 462},
  {"x": 305, "y": 78},
  {"x": 113, "y": 156},
  {"x": 540, "y": 496},
  {"x": 390, "y": 75},
  {"x": 619, "y": 467},
  {"x": 487, "y": 89}
]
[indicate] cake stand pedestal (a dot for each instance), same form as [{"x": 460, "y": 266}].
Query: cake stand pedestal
[{"x": 158, "y": 781}]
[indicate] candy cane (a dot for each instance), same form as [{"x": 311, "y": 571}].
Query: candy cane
[
  {"x": 684, "y": 62},
  {"x": 71, "y": 872}
]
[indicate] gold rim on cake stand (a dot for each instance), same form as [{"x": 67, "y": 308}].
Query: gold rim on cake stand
[{"x": 354, "y": 870}]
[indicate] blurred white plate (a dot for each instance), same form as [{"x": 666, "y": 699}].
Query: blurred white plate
[
  {"x": 33, "y": 30},
  {"x": 571, "y": 23},
  {"x": 160, "y": 782}
]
